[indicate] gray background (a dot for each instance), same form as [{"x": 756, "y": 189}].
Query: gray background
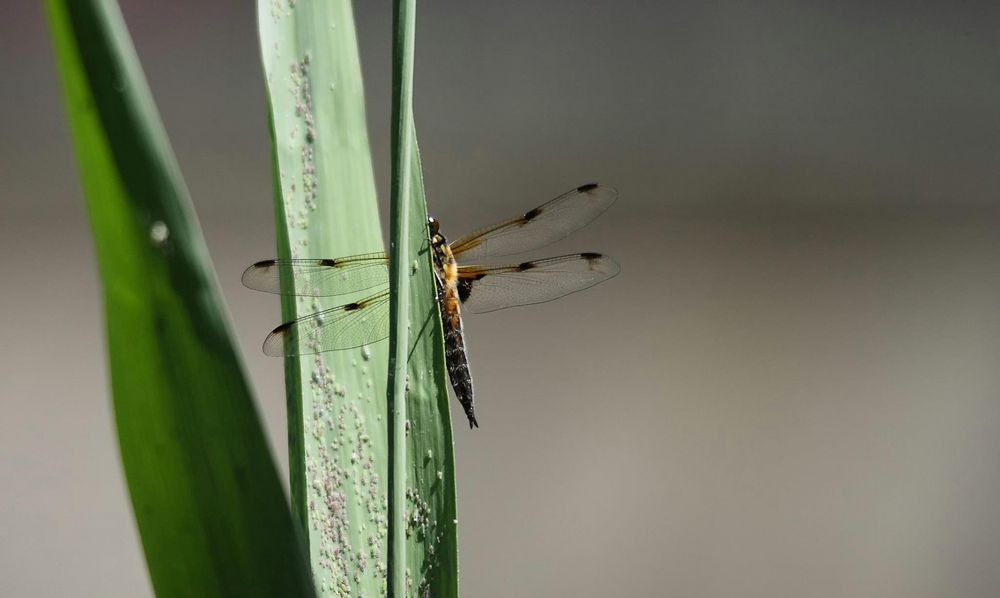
[{"x": 791, "y": 389}]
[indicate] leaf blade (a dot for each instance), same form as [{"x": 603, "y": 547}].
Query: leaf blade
[
  {"x": 427, "y": 501},
  {"x": 211, "y": 513},
  {"x": 326, "y": 207},
  {"x": 432, "y": 536}
]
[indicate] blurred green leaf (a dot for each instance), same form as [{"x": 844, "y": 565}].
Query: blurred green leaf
[{"x": 206, "y": 494}]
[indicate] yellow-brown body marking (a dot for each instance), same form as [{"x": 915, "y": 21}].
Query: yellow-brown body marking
[{"x": 449, "y": 276}]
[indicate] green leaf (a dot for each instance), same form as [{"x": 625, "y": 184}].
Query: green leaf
[
  {"x": 400, "y": 235},
  {"x": 206, "y": 494},
  {"x": 431, "y": 523},
  {"x": 326, "y": 207},
  {"x": 425, "y": 483}
]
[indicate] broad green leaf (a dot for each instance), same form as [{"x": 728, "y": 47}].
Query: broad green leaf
[
  {"x": 206, "y": 494},
  {"x": 326, "y": 206}
]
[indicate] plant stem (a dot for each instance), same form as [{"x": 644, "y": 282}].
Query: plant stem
[{"x": 404, "y": 21}]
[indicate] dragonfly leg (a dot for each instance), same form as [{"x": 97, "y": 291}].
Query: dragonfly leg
[{"x": 439, "y": 287}]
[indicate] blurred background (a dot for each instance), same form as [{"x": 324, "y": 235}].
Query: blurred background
[{"x": 792, "y": 389}]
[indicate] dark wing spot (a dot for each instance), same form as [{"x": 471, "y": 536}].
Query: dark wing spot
[
  {"x": 471, "y": 275},
  {"x": 587, "y": 187},
  {"x": 591, "y": 256},
  {"x": 525, "y": 266},
  {"x": 352, "y": 306},
  {"x": 328, "y": 262},
  {"x": 282, "y": 327},
  {"x": 529, "y": 216},
  {"x": 264, "y": 264}
]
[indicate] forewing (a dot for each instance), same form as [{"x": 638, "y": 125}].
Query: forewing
[
  {"x": 345, "y": 327},
  {"x": 485, "y": 289},
  {"x": 318, "y": 277},
  {"x": 537, "y": 228}
]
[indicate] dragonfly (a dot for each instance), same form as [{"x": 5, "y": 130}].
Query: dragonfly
[{"x": 461, "y": 286}]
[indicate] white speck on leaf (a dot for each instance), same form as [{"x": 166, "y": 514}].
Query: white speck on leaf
[{"x": 159, "y": 234}]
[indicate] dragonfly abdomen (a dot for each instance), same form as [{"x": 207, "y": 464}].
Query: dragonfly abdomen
[
  {"x": 451, "y": 318},
  {"x": 458, "y": 368}
]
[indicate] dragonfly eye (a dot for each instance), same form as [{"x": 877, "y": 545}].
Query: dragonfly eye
[{"x": 433, "y": 225}]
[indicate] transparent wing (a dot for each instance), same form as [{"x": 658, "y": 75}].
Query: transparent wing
[
  {"x": 344, "y": 327},
  {"x": 484, "y": 289},
  {"x": 318, "y": 277},
  {"x": 545, "y": 224}
]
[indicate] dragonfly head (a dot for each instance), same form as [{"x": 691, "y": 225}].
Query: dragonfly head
[{"x": 433, "y": 225}]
